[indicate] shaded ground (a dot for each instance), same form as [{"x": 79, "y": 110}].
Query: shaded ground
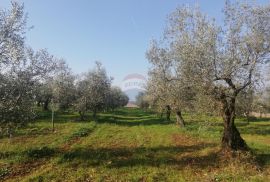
[{"x": 131, "y": 145}]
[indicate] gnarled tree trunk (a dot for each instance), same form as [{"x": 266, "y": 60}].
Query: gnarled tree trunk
[
  {"x": 179, "y": 119},
  {"x": 231, "y": 139}
]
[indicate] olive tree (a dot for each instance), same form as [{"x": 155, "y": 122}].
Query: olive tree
[
  {"x": 63, "y": 86},
  {"x": 18, "y": 87},
  {"x": 92, "y": 91},
  {"x": 169, "y": 82},
  {"x": 156, "y": 95},
  {"x": 261, "y": 103},
  {"x": 21, "y": 69},
  {"x": 142, "y": 101},
  {"x": 44, "y": 94},
  {"x": 222, "y": 60},
  {"x": 116, "y": 98},
  {"x": 57, "y": 87}
]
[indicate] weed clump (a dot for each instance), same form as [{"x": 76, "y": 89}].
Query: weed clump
[
  {"x": 83, "y": 132},
  {"x": 4, "y": 172}
]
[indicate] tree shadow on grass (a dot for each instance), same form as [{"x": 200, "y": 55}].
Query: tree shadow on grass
[
  {"x": 130, "y": 121},
  {"x": 254, "y": 120},
  {"x": 67, "y": 117},
  {"x": 263, "y": 159},
  {"x": 256, "y": 129},
  {"x": 133, "y": 112},
  {"x": 141, "y": 156},
  {"x": 58, "y": 117}
]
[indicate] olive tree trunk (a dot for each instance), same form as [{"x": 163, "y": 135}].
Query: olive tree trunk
[
  {"x": 231, "y": 138},
  {"x": 94, "y": 114},
  {"x": 46, "y": 105},
  {"x": 161, "y": 114},
  {"x": 179, "y": 119},
  {"x": 82, "y": 115},
  {"x": 168, "y": 113},
  {"x": 10, "y": 130}
]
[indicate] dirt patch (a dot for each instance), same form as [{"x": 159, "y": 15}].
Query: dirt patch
[
  {"x": 185, "y": 140},
  {"x": 23, "y": 169},
  {"x": 66, "y": 146}
]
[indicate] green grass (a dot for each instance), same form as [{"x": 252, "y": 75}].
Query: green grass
[{"x": 131, "y": 145}]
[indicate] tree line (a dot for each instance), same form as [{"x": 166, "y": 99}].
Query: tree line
[{"x": 30, "y": 78}]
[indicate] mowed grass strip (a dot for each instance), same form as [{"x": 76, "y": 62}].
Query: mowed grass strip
[{"x": 131, "y": 145}]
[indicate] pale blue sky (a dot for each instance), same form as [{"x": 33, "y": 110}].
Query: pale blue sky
[{"x": 115, "y": 32}]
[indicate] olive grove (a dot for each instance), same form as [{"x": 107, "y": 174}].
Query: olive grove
[
  {"x": 218, "y": 61},
  {"x": 30, "y": 79},
  {"x": 95, "y": 93}
]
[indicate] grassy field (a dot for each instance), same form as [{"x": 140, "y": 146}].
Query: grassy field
[{"x": 132, "y": 145}]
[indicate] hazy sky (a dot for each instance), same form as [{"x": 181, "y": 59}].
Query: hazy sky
[{"x": 115, "y": 32}]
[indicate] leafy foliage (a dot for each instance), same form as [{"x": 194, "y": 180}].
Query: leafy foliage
[
  {"x": 20, "y": 70},
  {"x": 141, "y": 100},
  {"x": 198, "y": 57},
  {"x": 92, "y": 91},
  {"x": 4, "y": 172},
  {"x": 83, "y": 132}
]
